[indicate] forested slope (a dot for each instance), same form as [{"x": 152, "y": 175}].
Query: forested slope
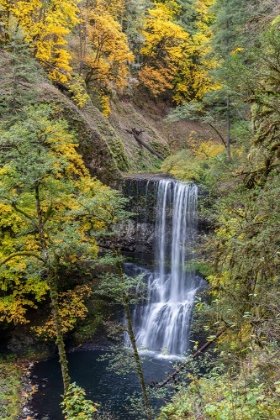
[{"x": 199, "y": 82}]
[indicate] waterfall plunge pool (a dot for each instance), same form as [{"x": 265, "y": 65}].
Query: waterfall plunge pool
[{"x": 103, "y": 386}]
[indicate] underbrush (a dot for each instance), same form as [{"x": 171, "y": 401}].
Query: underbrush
[
  {"x": 241, "y": 256},
  {"x": 247, "y": 390},
  {"x": 10, "y": 390}
]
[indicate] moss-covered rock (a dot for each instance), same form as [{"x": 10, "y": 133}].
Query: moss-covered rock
[
  {"x": 101, "y": 148},
  {"x": 87, "y": 126}
]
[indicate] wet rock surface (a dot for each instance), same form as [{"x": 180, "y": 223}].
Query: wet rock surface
[
  {"x": 137, "y": 234},
  {"x": 29, "y": 387}
]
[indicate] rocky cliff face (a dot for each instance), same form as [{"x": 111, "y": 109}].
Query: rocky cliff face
[{"x": 137, "y": 234}]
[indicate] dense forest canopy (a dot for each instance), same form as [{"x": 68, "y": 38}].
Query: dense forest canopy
[{"x": 215, "y": 62}]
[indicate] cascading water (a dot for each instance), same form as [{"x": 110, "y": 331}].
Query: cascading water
[{"x": 162, "y": 324}]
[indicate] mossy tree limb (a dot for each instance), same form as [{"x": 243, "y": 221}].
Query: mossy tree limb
[
  {"x": 137, "y": 359},
  {"x": 52, "y": 279},
  {"x": 136, "y": 134}
]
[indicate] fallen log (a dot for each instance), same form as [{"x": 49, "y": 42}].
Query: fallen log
[
  {"x": 199, "y": 351},
  {"x": 136, "y": 134}
]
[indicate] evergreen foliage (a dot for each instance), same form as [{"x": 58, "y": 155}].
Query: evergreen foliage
[
  {"x": 243, "y": 250},
  {"x": 220, "y": 61}
]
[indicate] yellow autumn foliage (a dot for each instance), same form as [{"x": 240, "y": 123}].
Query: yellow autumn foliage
[
  {"x": 194, "y": 80},
  {"x": 71, "y": 309},
  {"x": 46, "y": 25},
  {"x": 107, "y": 55},
  {"x": 46, "y": 194},
  {"x": 162, "y": 49}
]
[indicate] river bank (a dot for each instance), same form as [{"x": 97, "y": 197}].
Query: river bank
[{"x": 16, "y": 389}]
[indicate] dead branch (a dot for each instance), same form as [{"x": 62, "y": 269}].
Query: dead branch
[
  {"x": 136, "y": 134},
  {"x": 197, "y": 353}
]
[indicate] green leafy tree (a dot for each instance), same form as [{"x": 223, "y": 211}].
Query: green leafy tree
[
  {"x": 19, "y": 74},
  {"x": 243, "y": 249},
  {"x": 75, "y": 406},
  {"x": 186, "y": 15},
  {"x": 264, "y": 153},
  {"x": 133, "y": 23},
  {"x": 235, "y": 33},
  {"x": 51, "y": 212}
]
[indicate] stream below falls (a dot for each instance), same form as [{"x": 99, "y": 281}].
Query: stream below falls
[{"x": 103, "y": 386}]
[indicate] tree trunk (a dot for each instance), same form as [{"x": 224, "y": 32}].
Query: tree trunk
[
  {"x": 59, "y": 336},
  {"x": 228, "y": 127},
  {"x": 134, "y": 346},
  {"x": 52, "y": 283},
  {"x": 135, "y": 134},
  {"x": 137, "y": 360},
  {"x": 197, "y": 353}
]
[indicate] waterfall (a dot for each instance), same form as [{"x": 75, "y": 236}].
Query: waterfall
[{"x": 162, "y": 323}]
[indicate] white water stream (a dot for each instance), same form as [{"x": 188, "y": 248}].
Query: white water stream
[{"x": 162, "y": 323}]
